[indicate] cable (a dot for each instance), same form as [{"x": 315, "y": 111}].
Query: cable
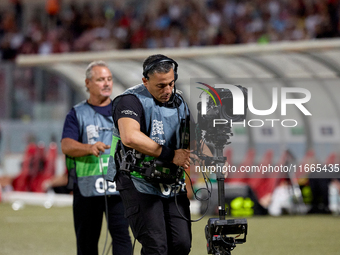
[
  {"x": 106, "y": 211},
  {"x": 206, "y": 178},
  {"x": 105, "y": 186},
  {"x": 106, "y": 206}
]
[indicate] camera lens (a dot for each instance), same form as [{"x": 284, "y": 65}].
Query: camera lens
[{"x": 227, "y": 109}]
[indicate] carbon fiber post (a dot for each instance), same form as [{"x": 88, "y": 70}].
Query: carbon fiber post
[{"x": 220, "y": 183}]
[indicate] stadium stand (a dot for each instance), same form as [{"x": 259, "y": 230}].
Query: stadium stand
[
  {"x": 89, "y": 26},
  {"x": 37, "y": 167}
]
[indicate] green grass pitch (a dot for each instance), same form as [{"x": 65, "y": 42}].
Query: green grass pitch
[{"x": 35, "y": 230}]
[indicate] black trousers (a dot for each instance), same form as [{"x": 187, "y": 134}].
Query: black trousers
[
  {"x": 88, "y": 216},
  {"x": 157, "y": 224}
]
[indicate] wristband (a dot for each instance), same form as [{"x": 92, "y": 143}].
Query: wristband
[{"x": 167, "y": 154}]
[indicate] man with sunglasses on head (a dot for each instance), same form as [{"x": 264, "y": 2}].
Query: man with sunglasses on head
[{"x": 150, "y": 151}]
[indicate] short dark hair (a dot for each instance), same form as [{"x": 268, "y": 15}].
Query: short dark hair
[{"x": 162, "y": 67}]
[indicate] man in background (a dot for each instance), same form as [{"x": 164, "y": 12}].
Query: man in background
[{"x": 86, "y": 143}]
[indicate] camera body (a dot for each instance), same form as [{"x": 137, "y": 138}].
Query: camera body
[
  {"x": 225, "y": 110},
  {"x": 219, "y": 134}
]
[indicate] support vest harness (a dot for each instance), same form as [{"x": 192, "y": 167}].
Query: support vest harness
[
  {"x": 164, "y": 125},
  {"x": 88, "y": 169}
]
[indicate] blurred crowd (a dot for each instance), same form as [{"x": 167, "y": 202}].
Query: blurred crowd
[{"x": 72, "y": 27}]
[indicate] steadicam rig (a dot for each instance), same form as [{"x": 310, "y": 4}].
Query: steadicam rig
[{"x": 222, "y": 235}]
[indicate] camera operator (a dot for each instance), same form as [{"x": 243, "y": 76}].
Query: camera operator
[{"x": 148, "y": 120}]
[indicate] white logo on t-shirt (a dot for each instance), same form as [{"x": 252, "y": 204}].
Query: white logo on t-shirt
[{"x": 129, "y": 112}]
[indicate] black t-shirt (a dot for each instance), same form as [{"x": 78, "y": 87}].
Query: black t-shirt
[{"x": 129, "y": 106}]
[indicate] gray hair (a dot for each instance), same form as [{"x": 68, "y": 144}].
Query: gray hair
[{"x": 88, "y": 72}]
